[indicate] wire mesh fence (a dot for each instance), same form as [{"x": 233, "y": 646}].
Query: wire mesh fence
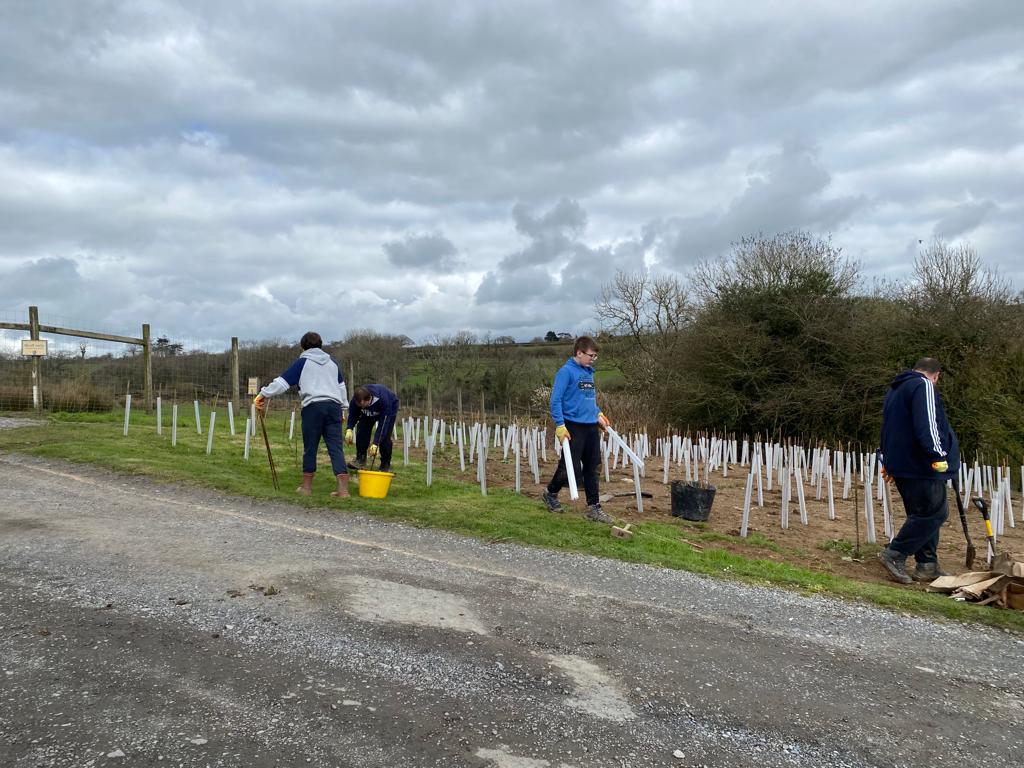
[{"x": 96, "y": 374}]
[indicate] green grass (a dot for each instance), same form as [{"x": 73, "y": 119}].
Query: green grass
[{"x": 453, "y": 503}]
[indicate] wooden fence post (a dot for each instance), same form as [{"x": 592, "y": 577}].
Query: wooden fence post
[
  {"x": 37, "y": 380},
  {"x": 234, "y": 371},
  {"x": 147, "y": 364}
]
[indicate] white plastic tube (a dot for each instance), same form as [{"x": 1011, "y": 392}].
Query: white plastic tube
[
  {"x": 462, "y": 451},
  {"x": 570, "y": 469},
  {"x": 209, "y": 435},
  {"x": 748, "y": 491},
  {"x": 625, "y": 447}
]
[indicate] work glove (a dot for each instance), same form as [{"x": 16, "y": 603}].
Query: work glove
[
  {"x": 261, "y": 403},
  {"x": 940, "y": 466},
  {"x": 886, "y": 476},
  {"x": 373, "y": 449},
  {"x": 562, "y": 433},
  {"x": 350, "y": 436},
  {"x": 603, "y": 420}
]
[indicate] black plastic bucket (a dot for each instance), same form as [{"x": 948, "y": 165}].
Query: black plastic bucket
[{"x": 692, "y": 501}]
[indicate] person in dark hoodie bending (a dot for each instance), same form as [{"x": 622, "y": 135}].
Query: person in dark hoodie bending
[
  {"x": 323, "y": 392},
  {"x": 372, "y": 404},
  {"x": 919, "y": 454}
]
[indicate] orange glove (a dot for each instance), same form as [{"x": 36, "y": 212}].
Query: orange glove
[
  {"x": 562, "y": 433},
  {"x": 940, "y": 466},
  {"x": 261, "y": 403},
  {"x": 603, "y": 420},
  {"x": 886, "y": 476}
]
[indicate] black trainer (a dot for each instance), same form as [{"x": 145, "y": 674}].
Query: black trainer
[
  {"x": 895, "y": 564},
  {"x": 929, "y": 572},
  {"x": 552, "y": 502},
  {"x": 597, "y": 515}
]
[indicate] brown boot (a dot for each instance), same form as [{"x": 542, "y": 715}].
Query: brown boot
[
  {"x": 342, "y": 492},
  {"x": 307, "y": 484}
]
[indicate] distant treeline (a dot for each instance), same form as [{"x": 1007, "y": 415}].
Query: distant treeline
[{"x": 783, "y": 337}]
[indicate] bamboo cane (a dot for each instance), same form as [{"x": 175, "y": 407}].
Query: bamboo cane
[{"x": 266, "y": 442}]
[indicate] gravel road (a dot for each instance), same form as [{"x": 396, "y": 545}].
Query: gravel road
[{"x": 156, "y": 625}]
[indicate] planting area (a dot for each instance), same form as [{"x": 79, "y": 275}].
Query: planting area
[{"x": 829, "y": 546}]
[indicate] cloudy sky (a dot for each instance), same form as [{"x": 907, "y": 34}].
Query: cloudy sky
[{"x": 259, "y": 168}]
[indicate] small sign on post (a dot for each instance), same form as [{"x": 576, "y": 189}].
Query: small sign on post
[
  {"x": 33, "y": 347},
  {"x": 254, "y": 386}
]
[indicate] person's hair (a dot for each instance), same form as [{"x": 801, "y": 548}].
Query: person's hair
[
  {"x": 584, "y": 344},
  {"x": 928, "y": 365},
  {"x": 362, "y": 393},
  {"x": 311, "y": 340}
]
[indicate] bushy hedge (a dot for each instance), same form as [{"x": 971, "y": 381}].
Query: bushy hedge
[{"x": 783, "y": 336}]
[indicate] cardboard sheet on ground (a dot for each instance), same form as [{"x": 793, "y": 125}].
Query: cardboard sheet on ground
[
  {"x": 953, "y": 583},
  {"x": 977, "y": 591},
  {"x": 1003, "y": 586}
]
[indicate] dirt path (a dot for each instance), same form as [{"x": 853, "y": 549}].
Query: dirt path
[{"x": 154, "y": 625}]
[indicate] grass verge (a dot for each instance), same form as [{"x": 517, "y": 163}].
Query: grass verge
[{"x": 451, "y": 503}]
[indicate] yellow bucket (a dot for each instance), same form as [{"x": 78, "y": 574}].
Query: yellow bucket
[{"x": 374, "y": 485}]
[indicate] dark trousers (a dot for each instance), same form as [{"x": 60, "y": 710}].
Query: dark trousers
[
  {"x": 364, "y": 430},
  {"x": 925, "y": 502},
  {"x": 322, "y": 419},
  {"x": 585, "y": 446}
]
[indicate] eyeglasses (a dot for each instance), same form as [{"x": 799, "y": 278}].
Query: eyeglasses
[{"x": 591, "y": 355}]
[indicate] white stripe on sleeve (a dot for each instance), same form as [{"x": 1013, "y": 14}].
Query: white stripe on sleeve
[{"x": 933, "y": 421}]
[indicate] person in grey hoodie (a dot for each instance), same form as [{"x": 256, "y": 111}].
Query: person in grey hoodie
[{"x": 323, "y": 392}]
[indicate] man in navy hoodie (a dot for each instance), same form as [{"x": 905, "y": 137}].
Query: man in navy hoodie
[
  {"x": 576, "y": 416},
  {"x": 322, "y": 388},
  {"x": 372, "y": 404},
  {"x": 919, "y": 453}
]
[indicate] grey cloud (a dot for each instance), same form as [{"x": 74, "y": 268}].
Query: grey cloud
[
  {"x": 566, "y": 217},
  {"x": 784, "y": 191},
  {"x": 423, "y": 251},
  {"x": 518, "y": 287},
  {"x": 963, "y": 218},
  {"x": 39, "y": 281}
]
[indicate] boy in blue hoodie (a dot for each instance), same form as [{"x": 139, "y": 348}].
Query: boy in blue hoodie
[
  {"x": 576, "y": 416},
  {"x": 323, "y": 391},
  {"x": 919, "y": 453}
]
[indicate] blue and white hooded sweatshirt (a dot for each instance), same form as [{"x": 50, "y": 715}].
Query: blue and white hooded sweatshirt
[
  {"x": 573, "y": 396},
  {"x": 383, "y": 404},
  {"x": 915, "y": 431},
  {"x": 316, "y": 375}
]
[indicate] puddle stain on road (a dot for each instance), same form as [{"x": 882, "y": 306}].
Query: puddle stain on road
[
  {"x": 379, "y": 601},
  {"x": 597, "y": 693}
]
